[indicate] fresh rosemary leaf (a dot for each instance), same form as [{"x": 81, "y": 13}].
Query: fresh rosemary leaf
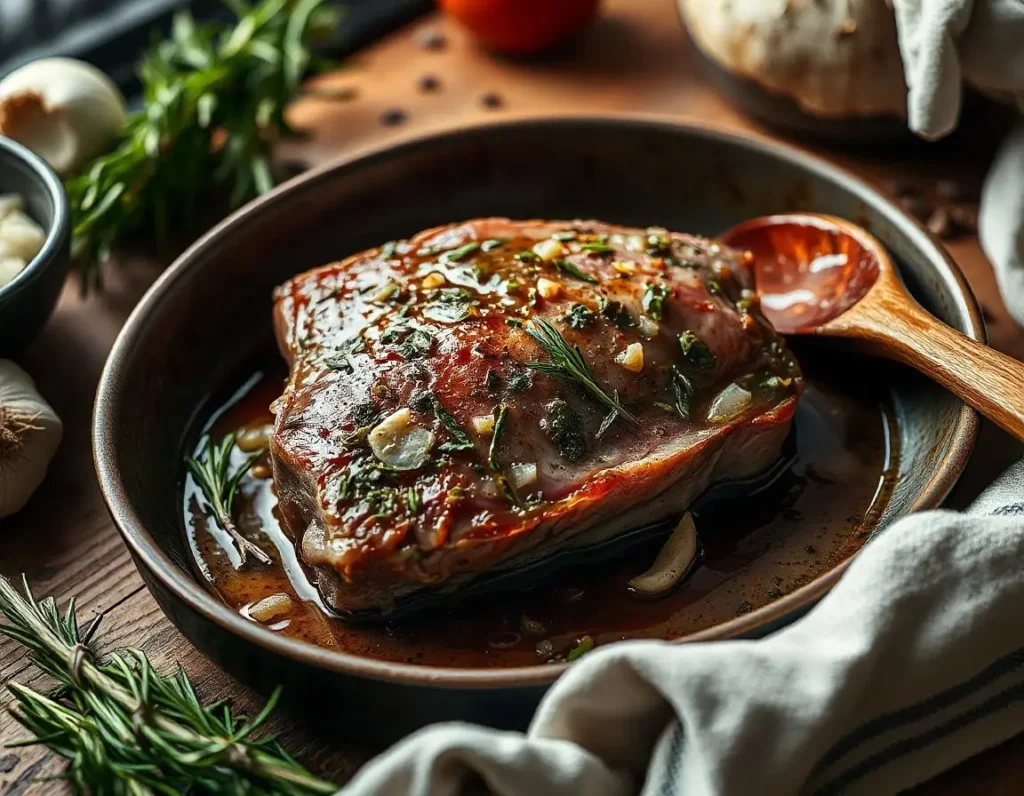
[
  {"x": 214, "y": 98},
  {"x": 499, "y": 429},
  {"x": 606, "y": 423},
  {"x": 583, "y": 646},
  {"x": 126, "y": 729},
  {"x": 598, "y": 248},
  {"x": 568, "y": 268},
  {"x": 682, "y": 389},
  {"x": 461, "y": 440},
  {"x": 460, "y": 253},
  {"x": 566, "y": 362},
  {"x": 579, "y": 316},
  {"x": 212, "y": 473},
  {"x": 696, "y": 351}
]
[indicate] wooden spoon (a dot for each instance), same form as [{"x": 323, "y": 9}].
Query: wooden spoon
[{"x": 821, "y": 275}]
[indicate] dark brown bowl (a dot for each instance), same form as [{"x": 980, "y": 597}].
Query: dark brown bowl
[{"x": 211, "y": 311}]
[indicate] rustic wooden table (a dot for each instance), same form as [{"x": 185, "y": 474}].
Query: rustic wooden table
[{"x": 634, "y": 59}]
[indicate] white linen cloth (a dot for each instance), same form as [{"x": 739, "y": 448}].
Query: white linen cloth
[
  {"x": 943, "y": 44},
  {"x": 913, "y": 663}
]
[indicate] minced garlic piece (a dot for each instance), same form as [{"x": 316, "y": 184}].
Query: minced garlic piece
[
  {"x": 483, "y": 425},
  {"x": 548, "y": 289},
  {"x": 549, "y": 250},
  {"x": 432, "y": 280},
  {"x": 270, "y": 607},
  {"x": 400, "y": 443},
  {"x": 625, "y": 268},
  {"x": 632, "y": 359}
]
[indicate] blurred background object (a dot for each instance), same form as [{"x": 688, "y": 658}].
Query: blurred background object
[
  {"x": 111, "y": 34},
  {"x": 522, "y": 26}
]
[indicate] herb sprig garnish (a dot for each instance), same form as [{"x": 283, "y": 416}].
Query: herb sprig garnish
[
  {"x": 214, "y": 101},
  {"x": 461, "y": 440},
  {"x": 566, "y": 363},
  {"x": 212, "y": 471},
  {"x": 126, "y": 729}
]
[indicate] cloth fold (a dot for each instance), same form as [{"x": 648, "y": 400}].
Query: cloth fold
[
  {"x": 944, "y": 43},
  {"x": 914, "y": 662}
]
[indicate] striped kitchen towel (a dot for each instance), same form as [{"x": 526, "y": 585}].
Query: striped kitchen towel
[{"x": 913, "y": 663}]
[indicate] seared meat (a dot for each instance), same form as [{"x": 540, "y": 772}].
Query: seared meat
[{"x": 488, "y": 392}]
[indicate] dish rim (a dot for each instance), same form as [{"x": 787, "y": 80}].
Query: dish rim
[
  {"x": 57, "y": 232},
  {"x": 146, "y": 551}
]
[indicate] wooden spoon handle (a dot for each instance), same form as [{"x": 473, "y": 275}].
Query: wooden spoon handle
[{"x": 991, "y": 382}]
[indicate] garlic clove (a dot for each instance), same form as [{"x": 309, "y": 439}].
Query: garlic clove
[
  {"x": 67, "y": 111},
  {"x": 400, "y": 443},
  {"x": 673, "y": 563},
  {"x": 9, "y": 202},
  {"x": 20, "y": 236},
  {"x": 10, "y": 267},
  {"x": 30, "y": 432}
]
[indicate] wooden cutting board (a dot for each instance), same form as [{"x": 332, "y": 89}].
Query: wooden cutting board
[{"x": 634, "y": 59}]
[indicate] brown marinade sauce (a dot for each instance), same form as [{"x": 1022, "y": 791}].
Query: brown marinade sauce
[{"x": 817, "y": 515}]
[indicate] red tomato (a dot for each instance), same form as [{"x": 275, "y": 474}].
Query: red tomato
[{"x": 521, "y": 26}]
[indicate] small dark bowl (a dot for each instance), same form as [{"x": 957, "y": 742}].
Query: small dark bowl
[
  {"x": 27, "y": 300},
  {"x": 211, "y": 311}
]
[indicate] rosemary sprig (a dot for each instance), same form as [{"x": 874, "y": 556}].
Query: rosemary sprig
[
  {"x": 214, "y": 101},
  {"x": 126, "y": 729},
  {"x": 566, "y": 363},
  {"x": 212, "y": 471},
  {"x": 567, "y": 267}
]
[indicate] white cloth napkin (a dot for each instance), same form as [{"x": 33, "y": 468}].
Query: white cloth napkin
[
  {"x": 914, "y": 662},
  {"x": 943, "y": 44}
]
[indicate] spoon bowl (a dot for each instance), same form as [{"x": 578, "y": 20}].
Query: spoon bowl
[{"x": 826, "y": 276}]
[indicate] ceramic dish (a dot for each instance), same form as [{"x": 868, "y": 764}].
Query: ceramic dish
[
  {"x": 210, "y": 314},
  {"x": 27, "y": 301}
]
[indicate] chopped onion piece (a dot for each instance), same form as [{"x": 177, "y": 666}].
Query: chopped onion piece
[
  {"x": 673, "y": 563},
  {"x": 548, "y": 289},
  {"x": 648, "y": 327},
  {"x": 400, "y": 443},
  {"x": 522, "y": 475},
  {"x": 270, "y": 607},
  {"x": 730, "y": 403}
]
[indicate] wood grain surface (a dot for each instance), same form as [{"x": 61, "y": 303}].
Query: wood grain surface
[{"x": 635, "y": 59}]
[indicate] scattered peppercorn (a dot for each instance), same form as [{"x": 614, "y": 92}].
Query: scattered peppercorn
[
  {"x": 491, "y": 100},
  {"x": 431, "y": 39},
  {"x": 429, "y": 84},
  {"x": 393, "y": 117}
]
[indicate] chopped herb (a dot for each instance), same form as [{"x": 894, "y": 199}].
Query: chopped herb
[
  {"x": 566, "y": 363},
  {"x": 381, "y": 503},
  {"x": 564, "y": 236},
  {"x": 449, "y": 305},
  {"x": 512, "y": 285},
  {"x": 696, "y": 351},
  {"x": 342, "y": 358},
  {"x": 365, "y": 413},
  {"x": 492, "y": 381},
  {"x": 579, "y": 316},
  {"x": 387, "y": 251},
  {"x": 461, "y": 441},
  {"x": 526, "y": 256},
  {"x": 773, "y": 382},
  {"x": 565, "y": 429},
  {"x": 583, "y": 646},
  {"x": 514, "y": 322},
  {"x": 412, "y": 500},
  {"x": 520, "y": 380},
  {"x": 493, "y": 243},
  {"x": 422, "y": 402},
  {"x": 598, "y": 248},
  {"x": 463, "y": 251},
  {"x": 416, "y": 344},
  {"x": 568, "y": 268},
  {"x": 499, "y": 427},
  {"x": 616, "y": 313},
  {"x": 654, "y": 300},
  {"x": 682, "y": 389},
  {"x": 745, "y": 304},
  {"x": 665, "y": 407},
  {"x": 714, "y": 287}
]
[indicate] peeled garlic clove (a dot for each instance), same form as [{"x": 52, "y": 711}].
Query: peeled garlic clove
[
  {"x": 20, "y": 236},
  {"x": 65, "y": 110},
  {"x": 271, "y": 607},
  {"x": 9, "y": 202},
  {"x": 10, "y": 267},
  {"x": 730, "y": 403},
  {"x": 674, "y": 561},
  {"x": 400, "y": 443}
]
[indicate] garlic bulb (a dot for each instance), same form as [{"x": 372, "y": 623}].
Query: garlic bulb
[
  {"x": 66, "y": 111},
  {"x": 30, "y": 432}
]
